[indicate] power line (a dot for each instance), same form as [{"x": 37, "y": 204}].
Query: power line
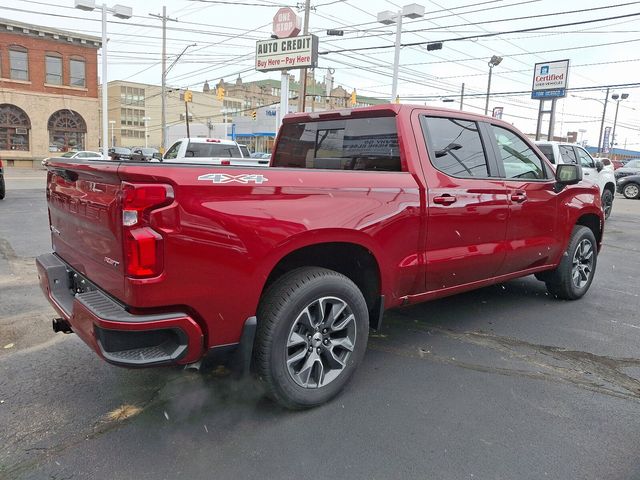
[{"x": 532, "y": 29}]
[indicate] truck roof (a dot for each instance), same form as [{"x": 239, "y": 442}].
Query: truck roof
[
  {"x": 390, "y": 109},
  {"x": 207, "y": 140}
]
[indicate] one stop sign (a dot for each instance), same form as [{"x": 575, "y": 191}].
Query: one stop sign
[{"x": 286, "y": 23}]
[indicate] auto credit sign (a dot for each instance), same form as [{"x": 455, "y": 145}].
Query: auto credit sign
[
  {"x": 550, "y": 79},
  {"x": 287, "y": 53}
]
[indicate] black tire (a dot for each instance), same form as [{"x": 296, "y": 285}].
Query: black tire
[
  {"x": 281, "y": 325},
  {"x": 607, "y": 202},
  {"x": 568, "y": 280},
  {"x": 631, "y": 190},
  {"x": 2, "y": 188}
]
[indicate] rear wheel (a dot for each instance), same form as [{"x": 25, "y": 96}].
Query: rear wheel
[
  {"x": 313, "y": 326},
  {"x": 631, "y": 190},
  {"x": 573, "y": 277},
  {"x": 607, "y": 202}
]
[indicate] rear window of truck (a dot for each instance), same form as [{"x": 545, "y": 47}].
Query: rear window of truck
[
  {"x": 350, "y": 144},
  {"x": 212, "y": 150}
]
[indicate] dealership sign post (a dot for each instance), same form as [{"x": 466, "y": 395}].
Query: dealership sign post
[
  {"x": 549, "y": 83},
  {"x": 285, "y": 50}
]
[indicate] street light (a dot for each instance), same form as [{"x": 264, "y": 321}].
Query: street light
[
  {"x": 388, "y": 17},
  {"x": 493, "y": 62},
  {"x": 146, "y": 131},
  {"x": 618, "y": 99},
  {"x": 604, "y": 113},
  {"x": 119, "y": 11}
]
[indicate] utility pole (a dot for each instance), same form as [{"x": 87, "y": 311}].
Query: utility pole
[
  {"x": 303, "y": 72},
  {"x": 604, "y": 112},
  {"x": 462, "y": 97},
  {"x": 186, "y": 116},
  {"x": 163, "y": 92}
]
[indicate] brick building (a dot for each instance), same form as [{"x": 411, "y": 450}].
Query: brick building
[{"x": 48, "y": 92}]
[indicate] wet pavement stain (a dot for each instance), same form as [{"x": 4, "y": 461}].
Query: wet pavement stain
[{"x": 601, "y": 374}]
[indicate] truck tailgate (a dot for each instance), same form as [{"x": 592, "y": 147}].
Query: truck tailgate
[{"x": 84, "y": 214}]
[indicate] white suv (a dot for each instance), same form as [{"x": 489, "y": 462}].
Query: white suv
[{"x": 593, "y": 170}]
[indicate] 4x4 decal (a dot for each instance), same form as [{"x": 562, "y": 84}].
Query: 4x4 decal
[{"x": 226, "y": 178}]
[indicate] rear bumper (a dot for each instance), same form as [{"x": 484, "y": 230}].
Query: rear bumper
[{"x": 121, "y": 338}]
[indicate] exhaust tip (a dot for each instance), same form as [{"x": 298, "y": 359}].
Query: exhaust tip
[{"x": 61, "y": 325}]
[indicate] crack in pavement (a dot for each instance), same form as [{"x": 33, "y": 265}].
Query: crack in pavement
[{"x": 585, "y": 370}]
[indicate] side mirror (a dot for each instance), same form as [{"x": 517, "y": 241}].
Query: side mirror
[
  {"x": 157, "y": 156},
  {"x": 599, "y": 165},
  {"x": 567, "y": 174}
]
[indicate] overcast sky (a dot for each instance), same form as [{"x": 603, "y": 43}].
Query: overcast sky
[{"x": 225, "y": 34}]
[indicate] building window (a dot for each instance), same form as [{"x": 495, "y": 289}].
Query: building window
[
  {"x": 77, "y": 73},
  {"x": 14, "y": 128},
  {"x": 19, "y": 63},
  {"x": 67, "y": 130},
  {"x": 53, "y": 68}
]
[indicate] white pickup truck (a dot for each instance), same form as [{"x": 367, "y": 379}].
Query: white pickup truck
[
  {"x": 592, "y": 169},
  {"x": 211, "y": 151}
]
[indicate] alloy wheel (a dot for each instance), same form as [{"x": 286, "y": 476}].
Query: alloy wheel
[
  {"x": 582, "y": 263},
  {"x": 320, "y": 342}
]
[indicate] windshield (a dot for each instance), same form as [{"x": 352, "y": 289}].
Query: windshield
[
  {"x": 212, "y": 150},
  {"x": 68, "y": 154}
]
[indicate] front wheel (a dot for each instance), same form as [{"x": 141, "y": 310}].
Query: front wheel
[
  {"x": 631, "y": 190},
  {"x": 572, "y": 278},
  {"x": 607, "y": 203},
  {"x": 313, "y": 326}
]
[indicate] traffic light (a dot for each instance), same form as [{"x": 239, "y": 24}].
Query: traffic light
[
  {"x": 188, "y": 96},
  {"x": 254, "y": 114},
  {"x": 354, "y": 98},
  {"x": 220, "y": 93}
]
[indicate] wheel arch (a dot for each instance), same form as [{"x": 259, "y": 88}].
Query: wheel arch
[
  {"x": 354, "y": 260},
  {"x": 593, "y": 222}
]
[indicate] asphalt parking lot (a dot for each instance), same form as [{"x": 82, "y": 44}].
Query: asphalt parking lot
[{"x": 501, "y": 383}]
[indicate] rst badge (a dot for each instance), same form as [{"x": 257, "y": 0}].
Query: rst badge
[{"x": 226, "y": 178}]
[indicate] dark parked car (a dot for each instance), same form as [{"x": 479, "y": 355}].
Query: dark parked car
[
  {"x": 1, "y": 181},
  {"x": 119, "y": 153},
  {"x": 632, "y": 167},
  {"x": 629, "y": 186},
  {"x": 143, "y": 154}
]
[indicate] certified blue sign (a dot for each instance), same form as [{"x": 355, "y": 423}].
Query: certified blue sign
[{"x": 558, "y": 93}]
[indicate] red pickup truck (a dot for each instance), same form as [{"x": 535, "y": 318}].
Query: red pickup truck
[{"x": 289, "y": 266}]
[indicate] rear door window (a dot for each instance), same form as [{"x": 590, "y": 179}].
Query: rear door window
[
  {"x": 349, "y": 144},
  {"x": 567, "y": 154},
  {"x": 455, "y": 147}
]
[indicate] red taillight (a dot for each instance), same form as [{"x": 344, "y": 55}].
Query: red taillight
[
  {"x": 225, "y": 162},
  {"x": 143, "y": 251},
  {"x": 213, "y": 140}
]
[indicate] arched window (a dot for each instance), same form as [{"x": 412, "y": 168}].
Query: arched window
[
  {"x": 14, "y": 128},
  {"x": 66, "y": 130}
]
